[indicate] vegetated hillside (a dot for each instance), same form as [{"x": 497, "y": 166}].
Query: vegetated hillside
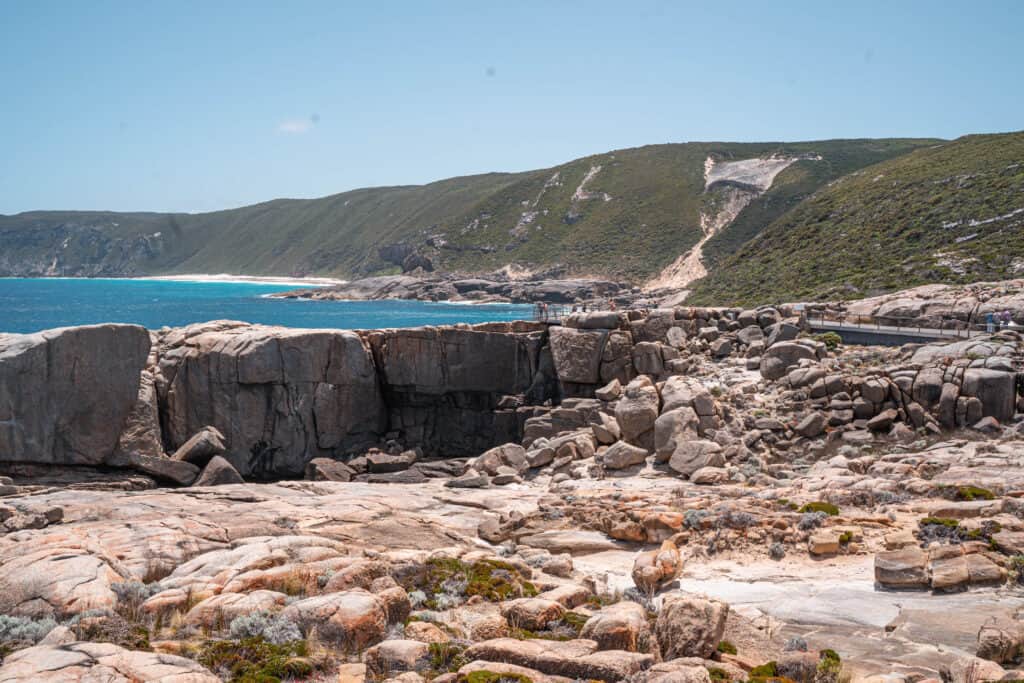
[
  {"x": 952, "y": 212},
  {"x": 623, "y": 214}
]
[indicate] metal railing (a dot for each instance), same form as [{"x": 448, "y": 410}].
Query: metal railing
[
  {"x": 552, "y": 313},
  {"x": 946, "y": 327}
]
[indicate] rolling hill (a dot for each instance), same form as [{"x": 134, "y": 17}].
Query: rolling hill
[
  {"x": 950, "y": 212},
  {"x": 627, "y": 214}
]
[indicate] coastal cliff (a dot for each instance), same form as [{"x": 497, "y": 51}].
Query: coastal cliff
[
  {"x": 279, "y": 397},
  {"x": 274, "y": 399}
]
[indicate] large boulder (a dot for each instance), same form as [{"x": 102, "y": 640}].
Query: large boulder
[
  {"x": 622, "y": 455},
  {"x": 654, "y": 568},
  {"x": 595, "y": 320},
  {"x": 507, "y": 455},
  {"x": 66, "y": 394},
  {"x": 781, "y": 332},
  {"x": 577, "y": 354},
  {"x": 224, "y": 607},
  {"x": 165, "y": 469},
  {"x": 906, "y": 568},
  {"x": 621, "y": 626},
  {"x": 392, "y": 656},
  {"x": 672, "y": 429},
  {"x": 683, "y": 670},
  {"x": 218, "y": 472},
  {"x": 690, "y": 626},
  {"x": 532, "y": 614},
  {"x": 325, "y": 469},
  {"x": 636, "y": 412},
  {"x": 647, "y": 358},
  {"x": 994, "y": 388},
  {"x": 141, "y": 431},
  {"x": 680, "y": 391},
  {"x": 352, "y": 619},
  {"x": 779, "y": 358},
  {"x": 617, "y": 358},
  {"x": 690, "y": 456},
  {"x": 572, "y": 659},
  {"x": 204, "y": 444}
]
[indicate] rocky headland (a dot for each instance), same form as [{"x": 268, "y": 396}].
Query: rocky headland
[{"x": 667, "y": 494}]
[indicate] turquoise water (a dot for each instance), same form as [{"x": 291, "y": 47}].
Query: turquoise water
[{"x": 30, "y": 305}]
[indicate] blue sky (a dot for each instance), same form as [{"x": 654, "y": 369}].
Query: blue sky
[{"x": 197, "y": 106}]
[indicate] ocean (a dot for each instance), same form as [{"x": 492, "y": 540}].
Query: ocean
[{"x": 30, "y": 305}]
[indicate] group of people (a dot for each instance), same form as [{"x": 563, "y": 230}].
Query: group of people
[{"x": 995, "y": 320}]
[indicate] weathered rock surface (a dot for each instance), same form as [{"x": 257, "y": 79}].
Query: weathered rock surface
[
  {"x": 66, "y": 394},
  {"x": 653, "y": 568},
  {"x": 353, "y": 619},
  {"x": 89, "y": 662},
  {"x": 280, "y": 397},
  {"x": 621, "y": 626},
  {"x": 690, "y": 626}
]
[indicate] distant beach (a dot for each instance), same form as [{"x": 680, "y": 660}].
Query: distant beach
[{"x": 251, "y": 279}]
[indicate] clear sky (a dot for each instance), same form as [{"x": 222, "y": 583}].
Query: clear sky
[{"x": 196, "y": 106}]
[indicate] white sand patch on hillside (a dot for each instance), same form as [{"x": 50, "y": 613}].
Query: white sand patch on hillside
[
  {"x": 757, "y": 173},
  {"x": 739, "y": 183}
]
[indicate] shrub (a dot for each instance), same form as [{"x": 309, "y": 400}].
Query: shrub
[
  {"x": 718, "y": 675},
  {"x": 111, "y": 628},
  {"x": 795, "y": 644},
  {"x": 768, "y": 670},
  {"x": 940, "y": 521},
  {"x": 821, "y": 506},
  {"x": 941, "y": 529},
  {"x": 974, "y": 493},
  {"x": 272, "y": 628},
  {"x": 485, "y": 676},
  {"x": 736, "y": 520},
  {"x": 256, "y": 660},
  {"x": 692, "y": 519},
  {"x": 829, "y": 667},
  {"x": 130, "y": 596},
  {"x": 450, "y": 582},
  {"x": 1017, "y": 568},
  {"x": 24, "y": 629},
  {"x": 776, "y": 551},
  {"x": 726, "y": 647},
  {"x": 811, "y": 520},
  {"x": 830, "y": 339},
  {"x": 446, "y": 657}
]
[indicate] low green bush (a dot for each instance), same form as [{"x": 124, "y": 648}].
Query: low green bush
[
  {"x": 254, "y": 660},
  {"x": 821, "y": 506}
]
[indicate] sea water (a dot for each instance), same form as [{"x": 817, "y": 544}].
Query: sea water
[{"x": 33, "y": 304}]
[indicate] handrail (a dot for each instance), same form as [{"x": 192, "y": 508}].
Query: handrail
[
  {"x": 544, "y": 312},
  {"x": 956, "y": 328}
]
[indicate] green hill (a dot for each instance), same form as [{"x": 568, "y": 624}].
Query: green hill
[
  {"x": 950, "y": 212},
  {"x": 624, "y": 214}
]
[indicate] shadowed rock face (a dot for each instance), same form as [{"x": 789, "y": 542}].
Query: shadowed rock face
[
  {"x": 280, "y": 397},
  {"x": 443, "y": 386},
  {"x": 66, "y": 393}
]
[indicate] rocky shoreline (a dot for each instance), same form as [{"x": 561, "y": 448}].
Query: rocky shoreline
[
  {"x": 494, "y": 288},
  {"x": 638, "y": 495}
]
